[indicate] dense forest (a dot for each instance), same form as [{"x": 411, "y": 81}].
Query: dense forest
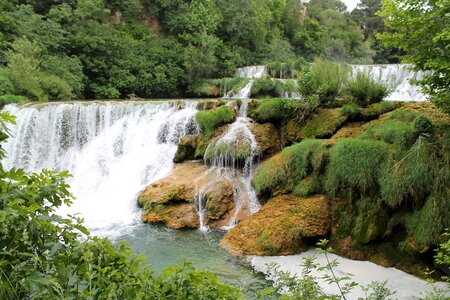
[{"x": 84, "y": 49}]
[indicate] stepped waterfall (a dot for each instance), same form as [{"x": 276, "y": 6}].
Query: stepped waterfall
[
  {"x": 397, "y": 77},
  {"x": 112, "y": 149}
]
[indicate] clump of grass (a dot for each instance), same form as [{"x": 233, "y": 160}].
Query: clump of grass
[
  {"x": 231, "y": 152},
  {"x": 263, "y": 86},
  {"x": 212, "y": 119},
  {"x": 350, "y": 110},
  {"x": 411, "y": 178},
  {"x": 356, "y": 164},
  {"x": 325, "y": 79},
  {"x": 271, "y": 110},
  {"x": 282, "y": 172},
  {"x": 391, "y": 131},
  {"x": 365, "y": 90},
  {"x": 324, "y": 123}
]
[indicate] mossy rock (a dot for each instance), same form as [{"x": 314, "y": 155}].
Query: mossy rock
[
  {"x": 280, "y": 227},
  {"x": 322, "y": 124},
  {"x": 186, "y": 148}
]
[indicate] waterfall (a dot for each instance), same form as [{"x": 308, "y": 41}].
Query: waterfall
[
  {"x": 232, "y": 157},
  {"x": 397, "y": 77},
  {"x": 112, "y": 149},
  {"x": 251, "y": 72}
]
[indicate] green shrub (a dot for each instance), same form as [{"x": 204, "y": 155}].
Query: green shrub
[
  {"x": 364, "y": 90},
  {"x": 263, "y": 86},
  {"x": 205, "y": 87},
  {"x": 349, "y": 110},
  {"x": 282, "y": 172},
  {"x": 325, "y": 79},
  {"x": 392, "y": 132},
  {"x": 357, "y": 164},
  {"x": 8, "y": 99},
  {"x": 212, "y": 119},
  {"x": 271, "y": 110},
  {"x": 56, "y": 88},
  {"x": 422, "y": 125}
]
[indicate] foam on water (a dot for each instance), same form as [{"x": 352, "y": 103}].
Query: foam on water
[{"x": 112, "y": 149}]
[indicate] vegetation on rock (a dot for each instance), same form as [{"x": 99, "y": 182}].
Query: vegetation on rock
[{"x": 212, "y": 119}]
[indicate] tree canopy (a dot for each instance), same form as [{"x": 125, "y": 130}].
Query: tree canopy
[{"x": 160, "y": 48}]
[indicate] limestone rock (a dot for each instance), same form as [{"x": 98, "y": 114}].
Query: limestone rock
[
  {"x": 171, "y": 200},
  {"x": 267, "y": 138},
  {"x": 280, "y": 227},
  {"x": 186, "y": 148}
]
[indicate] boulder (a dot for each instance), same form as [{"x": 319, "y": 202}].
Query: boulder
[
  {"x": 186, "y": 148},
  {"x": 267, "y": 137},
  {"x": 280, "y": 227},
  {"x": 172, "y": 200}
]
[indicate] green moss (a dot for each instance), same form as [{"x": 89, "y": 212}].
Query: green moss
[
  {"x": 356, "y": 164},
  {"x": 350, "y": 110},
  {"x": 212, "y": 119},
  {"x": 264, "y": 244},
  {"x": 232, "y": 151},
  {"x": 427, "y": 224},
  {"x": 282, "y": 172},
  {"x": 263, "y": 86},
  {"x": 322, "y": 124},
  {"x": 391, "y": 131},
  {"x": 371, "y": 220},
  {"x": 411, "y": 178}
]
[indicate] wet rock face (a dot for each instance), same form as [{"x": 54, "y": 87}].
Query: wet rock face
[
  {"x": 281, "y": 226},
  {"x": 172, "y": 200},
  {"x": 186, "y": 148}
]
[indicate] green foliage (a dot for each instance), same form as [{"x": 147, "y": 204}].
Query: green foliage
[
  {"x": 421, "y": 31},
  {"x": 364, "y": 89},
  {"x": 263, "y": 86},
  {"x": 212, "y": 119},
  {"x": 347, "y": 169},
  {"x": 46, "y": 256},
  {"x": 281, "y": 173},
  {"x": 325, "y": 79},
  {"x": 350, "y": 110},
  {"x": 392, "y": 132},
  {"x": 370, "y": 222},
  {"x": 8, "y": 99},
  {"x": 271, "y": 110}
]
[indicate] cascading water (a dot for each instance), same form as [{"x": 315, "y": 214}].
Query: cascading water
[
  {"x": 251, "y": 72},
  {"x": 112, "y": 149},
  {"x": 397, "y": 77},
  {"x": 232, "y": 158}
]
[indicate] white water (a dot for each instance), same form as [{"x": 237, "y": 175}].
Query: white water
[
  {"x": 397, "y": 77},
  {"x": 225, "y": 165},
  {"x": 405, "y": 285},
  {"x": 112, "y": 149},
  {"x": 251, "y": 72}
]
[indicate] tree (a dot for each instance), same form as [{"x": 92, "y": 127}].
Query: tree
[{"x": 422, "y": 30}]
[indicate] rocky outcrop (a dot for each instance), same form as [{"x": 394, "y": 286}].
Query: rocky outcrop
[
  {"x": 280, "y": 227},
  {"x": 186, "y": 148},
  {"x": 267, "y": 137},
  {"x": 172, "y": 200}
]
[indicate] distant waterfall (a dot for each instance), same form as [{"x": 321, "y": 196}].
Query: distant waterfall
[
  {"x": 112, "y": 149},
  {"x": 397, "y": 77},
  {"x": 251, "y": 72}
]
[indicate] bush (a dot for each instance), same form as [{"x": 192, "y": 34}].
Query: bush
[
  {"x": 391, "y": 131},
  {"x": 349, "y": 110},
  {"x": 212, "y": 119},
  {"x": 263, "y": 86},
  {"x": 8, "y": 99},
  {"x": 325, "y": 79},
  {"x": 365, "y": 90},
  {"x": 55, "y": 88},
  {"x": 205, "y": 87},
  {"x": 231, "y": 85},
  {"x": 284, "y": 171},
  {"x": 356, "y": 164},
  {"x": 271, "y": 110}
]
